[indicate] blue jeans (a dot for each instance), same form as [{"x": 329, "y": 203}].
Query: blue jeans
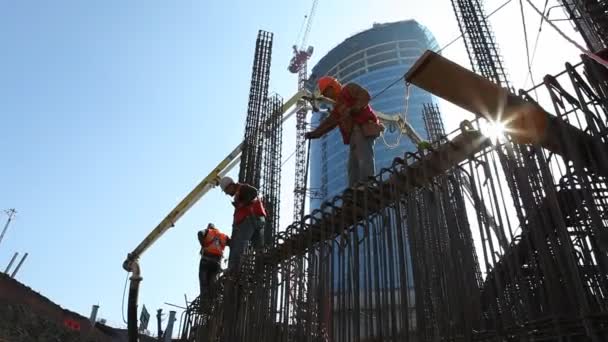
[
  {"x": 361, "y": 164},
  {"x": 250, "y": 230}
]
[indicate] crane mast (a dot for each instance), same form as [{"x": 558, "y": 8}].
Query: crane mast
[{"x": 299, "y": 65}]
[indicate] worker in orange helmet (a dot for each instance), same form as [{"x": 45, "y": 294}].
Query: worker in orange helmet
[
  {"x": 212, "y": 243},
  {"x": 358, "y": 125}
]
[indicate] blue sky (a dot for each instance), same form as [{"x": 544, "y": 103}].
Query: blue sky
[{"x": 113, "y": 110}]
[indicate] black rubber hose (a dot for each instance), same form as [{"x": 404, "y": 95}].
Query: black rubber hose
[{"x": 132, "y": 308}]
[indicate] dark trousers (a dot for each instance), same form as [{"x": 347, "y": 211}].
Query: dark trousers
[
  {"x": 208, "y": 269},
  {"x": 361, "y": 164},
  {"x": 250, "y": 230}
]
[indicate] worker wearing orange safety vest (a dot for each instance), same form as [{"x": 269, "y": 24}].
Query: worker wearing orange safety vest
[
  {"x": 358, "y": 125},
  {"x": 212, "y": 243},
  {"x": 249, "y": 219}
]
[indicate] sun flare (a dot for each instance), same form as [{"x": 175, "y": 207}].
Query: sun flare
[{"x": 495, "y": 131}]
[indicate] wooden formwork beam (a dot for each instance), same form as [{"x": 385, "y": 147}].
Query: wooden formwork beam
[{"x": 526, "y": 122}]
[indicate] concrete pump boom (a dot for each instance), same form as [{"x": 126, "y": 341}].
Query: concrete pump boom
[
  {"x": 131, "y": 264},
  {"x": 210, "y": 181}
]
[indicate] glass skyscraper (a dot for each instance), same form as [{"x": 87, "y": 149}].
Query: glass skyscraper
[{"x": 374, "y": 59}]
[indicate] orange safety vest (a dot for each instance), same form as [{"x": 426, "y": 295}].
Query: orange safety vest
[
  {"x": 256, "y": 207},
  {"x": 214, "y": 242},
  {"x": 366, "y": 114}
]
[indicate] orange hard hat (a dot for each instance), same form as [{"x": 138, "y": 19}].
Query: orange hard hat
[{"x": 326, "y": 82}]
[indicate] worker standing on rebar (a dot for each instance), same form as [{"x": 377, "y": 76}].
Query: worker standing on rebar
[
  {"x": 249, "y": 219},
  {"x": 358, "y": 125},
  {"x": 213, "y": 242}
]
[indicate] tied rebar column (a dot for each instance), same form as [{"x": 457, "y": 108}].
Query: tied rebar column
[
  {"x": 258, "y": 163},
  {"x": 480, "y": 42},
  {"x": 590, "y": 17},
  {"x": 433, "y": 122},
  {"x": 251, "y": 158},
  {"x": 271, "y": 172}
]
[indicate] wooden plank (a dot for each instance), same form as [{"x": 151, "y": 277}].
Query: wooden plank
[
  {"x": 455, "y": 84},
  {"x": 525, "y": 122}
]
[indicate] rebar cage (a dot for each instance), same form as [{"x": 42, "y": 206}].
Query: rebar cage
[{"x": 468, "y": 240}]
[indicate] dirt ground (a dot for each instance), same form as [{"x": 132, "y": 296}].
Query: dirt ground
[{"x": 19, "y": 324}]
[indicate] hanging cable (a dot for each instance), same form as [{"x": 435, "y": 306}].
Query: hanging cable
[
  {"x": 122, "y": 308},
  {"x": 396, "y": 144},
  {"x": 387, "y": 87},
  {"x": 523, "y": 22},
  {"x": 540, "y": 27},
  {"x": 407, "y": 105},
  {"x": 570, "y": 40}
]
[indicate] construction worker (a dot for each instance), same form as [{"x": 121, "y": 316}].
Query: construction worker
[
  {"x": 249, "y": 219},
  {"x": 358, "y": 125},
  {"x": 212, "y": 243}
]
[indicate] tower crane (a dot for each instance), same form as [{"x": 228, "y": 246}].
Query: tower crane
[
  {"x": 301, "y": 56},
  {"x": 299, "y": 65}
]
